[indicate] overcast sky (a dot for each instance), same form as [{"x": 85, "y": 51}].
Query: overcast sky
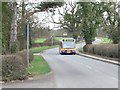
[{"x": 44, "y": 17}]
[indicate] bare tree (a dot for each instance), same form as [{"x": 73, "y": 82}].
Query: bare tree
[{"x": 68, "y": 19}]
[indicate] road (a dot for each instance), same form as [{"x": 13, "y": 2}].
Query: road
[{"x": 73, "y": 71}]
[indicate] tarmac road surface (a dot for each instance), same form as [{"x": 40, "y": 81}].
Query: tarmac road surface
[{"x": 73, "y": 71}]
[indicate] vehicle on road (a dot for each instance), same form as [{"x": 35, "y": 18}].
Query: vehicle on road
[{"x": 67, "y": 46}]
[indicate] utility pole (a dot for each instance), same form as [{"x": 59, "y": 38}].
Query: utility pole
[{"x": 28, "y": 29}]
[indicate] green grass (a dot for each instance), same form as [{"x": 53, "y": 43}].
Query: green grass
[
  {"x": 106, "y": 40},
  {"x": 59, "y": 38},
  {"x": 40, "y": 40},
  {"x": 38, "y": 66},
  {"x": 39, "y": 49}
]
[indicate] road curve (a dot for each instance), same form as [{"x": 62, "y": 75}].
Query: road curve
[{"x": 73, "y": 71}]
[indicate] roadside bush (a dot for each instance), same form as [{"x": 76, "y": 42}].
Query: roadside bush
[
  {"x": 37, "y": 44},
  {"x": 0, "y": 67},
  {"x": 89, "y": 48},
  {"x": 12, "y": 68},
  {"x": 48, "y": 42},
  {"x": 110, "y": 50},
  {"x": 23, "y": 54},
  {"x": 113, "y": 50},
  {"x": 56, "y": 42},
  {"x": 86, "y": 47},
  {"x": 100, "y": 49},
  {"x": 119, "y": 49}
]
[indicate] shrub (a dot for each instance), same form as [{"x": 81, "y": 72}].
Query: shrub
[
  {"x": 56, "y": 42},
  {"x": 85, "y": 48},
  {"x": 119, "y": 49},
  {"x": 48, "y": 42},
  {"x": 113, "y": 50},
  {"x": 105, "y": 49},
  {"x": 90, "y": 48},
  {"x": 96, "y": 50},
  {"x": 100, "y": 49},
  {"x": 110, "y": 50},
  {"x": 13, "y": 68},
  {"x": 23, "y": 54}
]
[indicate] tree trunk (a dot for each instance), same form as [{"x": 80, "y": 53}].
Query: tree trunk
[
  {"x": 22, "y": 37},
  {"x": 88, "y": 42},
  {"x": 13, "y": 33}
]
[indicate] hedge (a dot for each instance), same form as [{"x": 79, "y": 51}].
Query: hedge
[
  {"x": 13, "y": 68},
  {"x": 23, "y": 54},
  {"x": 47, "y": 42},
  {"x": 88, "y": 48},
  {"x": 109, "y": 50}
]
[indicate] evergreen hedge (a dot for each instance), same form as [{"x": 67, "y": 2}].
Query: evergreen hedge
[
  {"x": 109, "y": 50},
  {"x": 12, "y": 68}
]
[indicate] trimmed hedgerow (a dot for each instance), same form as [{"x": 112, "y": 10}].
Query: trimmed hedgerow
[
  {"x": 113, "y": 50},
  {"x": 13, "y": 68},
  {"x": 89, "y": 48},
  {"x": 110, "y": 50},
  {"x": 24, "y": 56},
  {"x": 47, "y": 42}
]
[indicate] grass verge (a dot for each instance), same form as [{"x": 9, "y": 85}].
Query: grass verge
[
  {"x": 39, "y": 49},
  {"x": 38, "y": 66},
  {"x": 59, "y": 38},
  {"x": 40, "y": 40},
  {"x": 106, "y": 40}
]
